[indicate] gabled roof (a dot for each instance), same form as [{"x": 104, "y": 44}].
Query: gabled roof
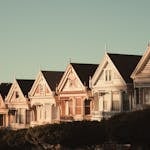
[
  {"x": 53, "y": 78},
  {"x": 84, "y": 71},
  {"x": 143, "y": 61},
  {"x": 125, "y": 64},
  {"x": 25, "y": 85},
  {"x": 4, "y": 89}
]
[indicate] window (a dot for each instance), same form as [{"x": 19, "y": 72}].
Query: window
[
  {"x": 1, "y": 120},
  {"x": 125, "y": 101},
  {"x": 115, "y": 101},
  {"x": 108, "y": 75},
  {"x": 27, "y": 116},
  {"x": 105, "y": 104},
  {"x": 96, "y": 101},
  {"x": 66, "y": 108},
  {"x": 22, "y": 114},
  {"x": 17, "y": 94},
  {"x": 54, "y": 112},
  {"x": 78, "y": 106},
  {"x": 147, "y": 95},
  {"x": 70, "y": 107},
  {"x": 115, "y": 106},
  {"x": 137, "y": 96},
  {"x": 47, "y": 110},
  {"x": 87, "y": 107}
]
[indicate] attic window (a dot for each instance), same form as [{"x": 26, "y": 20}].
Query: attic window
[
  {"x": 17, "y": 94},
  {"x": 108, "y": 75}
]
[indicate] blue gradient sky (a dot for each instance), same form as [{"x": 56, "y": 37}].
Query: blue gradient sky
[{"x": 44, "y": 34}]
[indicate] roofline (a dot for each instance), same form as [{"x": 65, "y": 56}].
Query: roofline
[
  {"x": 116, "y": 68},
  {"x": 138, "y": 66},
  {"x": 51, "y": 71},
  {"x": 122, "y": 54},
  {"x": 84, "y": 63}
]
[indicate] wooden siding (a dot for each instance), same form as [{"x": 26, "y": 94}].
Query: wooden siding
[{"x": 146, "y": 68}]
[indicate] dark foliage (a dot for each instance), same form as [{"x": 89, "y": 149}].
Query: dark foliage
[
  {"x": 70, "y": 134},
  {"x": 130, "y": 128}
]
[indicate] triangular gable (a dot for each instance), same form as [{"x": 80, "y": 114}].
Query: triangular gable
[
  {"x": 70, "y": 81},
  {"x": 15, "y": 93},
  {"x": 106, "y": 64},
  {"x": 143, "y": 66},
  {"x": 40, "y": 86}
]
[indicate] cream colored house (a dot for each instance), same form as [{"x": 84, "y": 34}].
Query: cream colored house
[
  {"x": 18, "y": 104},
  {"x": 74, "y": 93},
  {"x": 4, "y": 88},
  {"x": 112, "y": 87},
  {"x": 141, "y": 78},
  {"x": 43, "y": 98}
]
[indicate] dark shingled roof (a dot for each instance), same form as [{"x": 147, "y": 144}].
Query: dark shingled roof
[
  {"x": 125, "y": 64},
  {"x": 84, "y": 71},
  {"x": 4, "y": 89},
  {"x": 53, "y": 78},
  {"x": 25, "y": 85}
]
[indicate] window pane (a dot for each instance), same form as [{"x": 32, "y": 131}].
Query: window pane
[
  {"x": 115, "y": 105},
  {"x": 105, "y": 105},
  {"x": 87, "y": 107},
  {"x": 78, "y": 106}
]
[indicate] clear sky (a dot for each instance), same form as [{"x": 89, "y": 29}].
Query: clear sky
[{"x": 45, "y": 34}]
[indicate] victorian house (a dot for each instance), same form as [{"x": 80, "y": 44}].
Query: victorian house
[
  {"x": 74, "y": 94},
  {"x": 18, "y": 104},
  {"x": 4, "y": 88},
  {"x": 112, "y": 87},
  {"x": 141, "y": 78},
  {"x": 43, "y": 98}
]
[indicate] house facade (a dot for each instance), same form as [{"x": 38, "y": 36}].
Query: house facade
[
  {"x": 141, "y": 78},
  {"x": 43, "y": 98},
  {"x": 112, "y": 87},
  {"x": 74, "y": 92},
  {"x": 4, "y": 88},
  {"x": 18, "y": 104}
]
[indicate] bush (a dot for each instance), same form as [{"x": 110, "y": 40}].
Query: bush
[{"x": 130, "y": 128}]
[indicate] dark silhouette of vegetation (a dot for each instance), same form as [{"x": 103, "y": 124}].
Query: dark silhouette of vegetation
[
  {"x": 131, "y": 128},
  {"x": 69, "y": 134}
]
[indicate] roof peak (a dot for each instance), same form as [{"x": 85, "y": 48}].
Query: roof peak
[{"x": 122, "y": 61}]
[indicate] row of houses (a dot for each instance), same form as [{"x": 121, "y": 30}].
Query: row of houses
[{"x": 120, "y": 83}]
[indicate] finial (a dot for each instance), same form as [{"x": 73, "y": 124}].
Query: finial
[
  {"x": 39, "y": 68},
  {"x": 70, "y": 60},
  {"x": 106, "y": 47},
  {"x": 14, "y": 77}
]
